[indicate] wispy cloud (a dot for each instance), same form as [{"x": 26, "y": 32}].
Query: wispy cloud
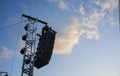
[
  {"x": 68, "y": 38},
  {"x": 86, "y": 25},
  {"x": 72, "y": 33},
  {"x": 108, "y": 7},
  {"x": 5, "y": 53},
  {"x": 107, "y": 4},
  {"x": 61, "y": 4},
  {"x": 110, "y": 4},
  {"x": 81, "y": 9}
]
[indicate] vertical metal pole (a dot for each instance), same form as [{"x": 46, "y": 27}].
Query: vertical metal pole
[{"x": 34, "y": 48}]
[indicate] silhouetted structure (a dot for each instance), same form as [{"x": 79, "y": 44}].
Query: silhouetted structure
[
  {"x": 5, "y": 73},
  {"x": 41, "y": 57},
  {"x": 45, "y": 47}
]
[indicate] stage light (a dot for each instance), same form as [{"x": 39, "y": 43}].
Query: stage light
[
  {"x": 6, "y": 74},
  {"x": 22, "y": 51},
  {"x": 24, "y": 37},
  {"x": 27, "y": 61},
  {"x": 26, "y": 27}
]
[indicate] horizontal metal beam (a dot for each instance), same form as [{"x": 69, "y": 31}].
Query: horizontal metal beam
[
  {"x": 4, "y": 72},
  {"x": 32, "y": 18}
]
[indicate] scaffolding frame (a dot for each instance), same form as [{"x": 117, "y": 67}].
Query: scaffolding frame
[{"x": 29, "y": 48}]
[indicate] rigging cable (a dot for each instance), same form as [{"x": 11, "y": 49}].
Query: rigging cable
[
  {"x": 17, "y": 38},
  {"x": 4, "y": 27}
]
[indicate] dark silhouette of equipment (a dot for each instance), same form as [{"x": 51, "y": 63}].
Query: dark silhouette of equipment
[
  {"x": 24, "y": 37},
  {"x": 22, "y": 51},
  {"x": 36, "y": 56},
  {"x": 26, "y": 27},
  {"x": 5, "y": 73},
  {"x": 45, "y": 47}
]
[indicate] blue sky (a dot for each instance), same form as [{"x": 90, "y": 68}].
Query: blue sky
[{"x": 87, "y": 41}]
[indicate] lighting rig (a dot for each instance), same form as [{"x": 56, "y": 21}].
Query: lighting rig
[{"x": 40, "y": 56}]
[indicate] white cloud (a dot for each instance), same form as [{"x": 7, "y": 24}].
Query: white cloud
[
  {"x": 92, "y": 34},
  {"x": 68, "y": 38},
  {"x": 5, "y": 53},
  {"x": 110, "y": 4},
  {"x": 72, "y": 33},
  {"x": 82, "y": 10},
  {"x": 63, "y": 5},
  {"x": 79, "y": 10},
  {"x": 85, "y": 25},
  {"x": 108, "y": 7},
  {"x": 90, "y": 23},
  {"x": 107, "y": 4}
]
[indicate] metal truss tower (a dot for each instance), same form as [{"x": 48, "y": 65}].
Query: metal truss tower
[
  {"x": 36, "y": 56},
  {"x": 28, "y": 50}
]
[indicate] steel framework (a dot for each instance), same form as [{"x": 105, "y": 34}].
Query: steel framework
[{"x": 28, "y": 50}]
